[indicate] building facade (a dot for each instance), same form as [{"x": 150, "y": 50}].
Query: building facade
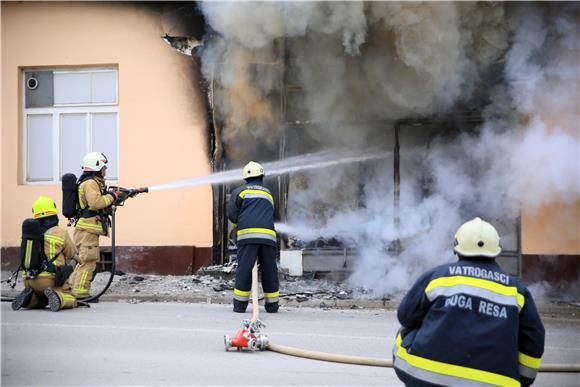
[{"x": 80, "y": 77}]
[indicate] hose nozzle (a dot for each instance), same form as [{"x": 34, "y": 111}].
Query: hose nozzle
[{"x": 135, "y": 191}]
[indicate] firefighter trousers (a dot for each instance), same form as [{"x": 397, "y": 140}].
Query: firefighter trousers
[
  {"x": 88, "y": 247},
  {"x": 39, "y": 300},
  {"x": 266, "y": 255}
]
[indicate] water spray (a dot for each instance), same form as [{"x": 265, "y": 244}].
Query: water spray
[{"x": 275, "y": 168}]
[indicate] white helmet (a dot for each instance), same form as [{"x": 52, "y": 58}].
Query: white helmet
[
  {"x": 252, "y": 169},
  {"x": 94, "y": 161},
  {"x": 477, "y": 238}
]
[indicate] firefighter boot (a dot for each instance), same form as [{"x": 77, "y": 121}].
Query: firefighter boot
[
  {"x": 240, "y": 306},
  {"x": 271, "y": 307},
  {"x": 53, "y": 299},
  {"x": 22, "y": 299}
]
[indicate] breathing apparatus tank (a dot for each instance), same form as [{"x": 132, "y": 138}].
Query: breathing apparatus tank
[
  {"x": 31, "y": 248},
  {"x": 70, "y": 196}
]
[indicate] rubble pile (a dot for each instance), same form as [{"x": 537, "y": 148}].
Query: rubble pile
[{"x": 215, "y": 285}]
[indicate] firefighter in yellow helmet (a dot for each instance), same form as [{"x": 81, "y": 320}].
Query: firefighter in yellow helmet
[
  {"x": 45, "y": 274},
  {"x": 468, "y": 322},
  {"x": 251, "y": 206},
  {"x": 95, "y": 204}
]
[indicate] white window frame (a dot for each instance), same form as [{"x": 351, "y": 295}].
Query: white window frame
[{"x": 56, "y": 111}]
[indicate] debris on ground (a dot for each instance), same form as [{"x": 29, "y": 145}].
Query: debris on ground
[
  {"x": 217, "y": 288},
  {"x": 214, "y": 284}
]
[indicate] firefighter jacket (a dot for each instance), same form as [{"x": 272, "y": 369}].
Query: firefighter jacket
[
  {"x": 468, "y": 324},
  {"x": 251, "y": 206},
  {"x": 57, "y": 243},
  {"x": 93, "y": 198}
]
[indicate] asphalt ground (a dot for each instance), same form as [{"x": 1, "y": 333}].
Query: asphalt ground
[{"x": 158, "y": 343}]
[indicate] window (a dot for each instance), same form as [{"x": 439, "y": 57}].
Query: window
[{"x": 68, "y": 113}]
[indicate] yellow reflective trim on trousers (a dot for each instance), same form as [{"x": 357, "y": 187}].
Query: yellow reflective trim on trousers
[
  {"x": 272, "y": 295},
  {"x": 68, "y": 297},
  {"x": 529, "y": 361},
  {"x": 28, "y": 254},
  {"x": 242, "y": 293},
  {"x": 454, "y": 370},
  {"x": 81, "y": 285},
  {"x": 256, "y": 192},
  {"x": 479, "y": 283},
  {"x": 45, "y": 274},
  {"x": 257, "y": 230},
  {"x": 55, "y": 238}
]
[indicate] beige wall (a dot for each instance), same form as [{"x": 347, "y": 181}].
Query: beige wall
[
  {"x": 162, "y": 129},
  {"x": 552, "y": 230}
]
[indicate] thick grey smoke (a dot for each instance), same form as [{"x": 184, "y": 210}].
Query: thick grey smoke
[
  {"x": 356, "y": 63},
  {"x": 353, "y": 61}
]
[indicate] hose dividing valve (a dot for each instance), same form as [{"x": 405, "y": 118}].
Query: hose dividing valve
[{"x": 248, "y": 338}]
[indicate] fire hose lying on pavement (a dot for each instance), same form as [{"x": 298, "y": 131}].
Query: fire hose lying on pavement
[{"x": 251, "y": 338}]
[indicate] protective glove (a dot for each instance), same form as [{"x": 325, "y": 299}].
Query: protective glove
[
  {"x": 121, "y": 196},
  {"x": 62, "y": 274}
]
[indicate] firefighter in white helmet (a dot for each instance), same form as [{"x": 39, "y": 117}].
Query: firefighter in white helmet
[
  {"x": 468, "y": 322},
  {"x": 44, "y": 267},
  {"x": 95, "y": 204},
  {"x": 251, "y": 207}
]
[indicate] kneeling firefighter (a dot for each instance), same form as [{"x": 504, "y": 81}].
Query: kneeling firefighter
[
  {"x": 44, "y": 250},
  {"x": 93, "y": 219},
  {"x": 251, "y": 206}
]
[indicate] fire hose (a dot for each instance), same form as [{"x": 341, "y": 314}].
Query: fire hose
[
  {"x": 376, "y": 362},
  {"x": 113, "y": 261},
  {"x": 346, "y": 359}
]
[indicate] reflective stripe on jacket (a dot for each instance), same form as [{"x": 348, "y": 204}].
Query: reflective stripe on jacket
[
  {"x": 251, "y": 206},
  {"x": 92, "y": 196},
  {"x": 468, "y": 324},
  {"x": 57, "y": 243}
]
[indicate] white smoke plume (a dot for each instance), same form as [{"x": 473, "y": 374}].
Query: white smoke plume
[{"x": 343, "y": 66}]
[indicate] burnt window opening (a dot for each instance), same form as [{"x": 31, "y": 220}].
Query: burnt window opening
[{"x": 408, "y": 141}]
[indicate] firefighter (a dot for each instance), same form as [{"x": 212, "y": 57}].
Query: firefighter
[
  {"x": 468, "y": 322},
  {"x": 49, "y": 287},
  {"x": 251, "y": 207},
  {"x": 95, "y": 206}
]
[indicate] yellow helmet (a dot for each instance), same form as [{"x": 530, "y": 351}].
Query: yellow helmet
[
  {"x": 477, "y": 238},
  {"x": 43, "y": 207},
  {"x": 94, "y": 161},
  {"x": 252, "y": 169}
]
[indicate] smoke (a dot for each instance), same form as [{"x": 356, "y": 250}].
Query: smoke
[
  {"x": 345, "y": 62},
  {"x": 322, "y": 75}
]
